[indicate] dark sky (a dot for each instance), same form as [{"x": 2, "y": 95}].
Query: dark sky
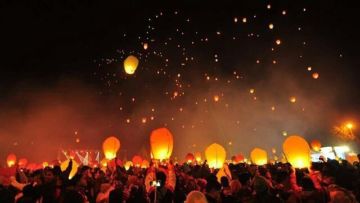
[{"x": 62, "y": 78}]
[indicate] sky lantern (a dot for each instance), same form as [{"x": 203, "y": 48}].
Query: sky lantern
[
  {"x": 258, "y": 156},
  {"x": 145, "y": 164},
  {"x": 316, "y": 145},
  {"x": 137, "y": 160},
  {"x": 146, "y": 46},
  {"x": 197, "y": 156},
  {"x": 130, "y": 64},
  {"x": 315, "y": 75},
  {"x": 22, "y": 162},
  {"x": 297, "y": 151},
  {"x": 352, "y": 157},
  {"x": 74, "y": 168},
  {"x": 238, "y": 158},
  {"x": 215, "y": 155},
  {"x": 110, "y": 147},
  {"x": 161, "y": 143},
  {"x": 11, "y": 160},
  {"x": 104, "y": 162},
  {"x": 45, "y": 164},
  {"x": 189, "y": 158},
  {"x": 292, "y": 99},
  {"x": 127, "y": 165}
]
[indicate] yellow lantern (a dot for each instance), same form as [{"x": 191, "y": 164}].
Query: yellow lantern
[
  {"x": 215, "y": 155},
  {"x": 74, "y": 168},
  {"x": 198, "y": 156},
  {"x": 45, "y": 164},
  {"x": 130, "y": 64},
  {"x": 316, "y": 145},
  {"x": 258, "y": 156},
  {"x": 297, "y": 151},
  {"x": 145, "y": 164},
  {"x": 127, "y": 165},
  {"x": 137, "y": 160},
  {"x": 161, "y": 143},
  {"x": 11, "y": 160},
  {"x": 110, "y": 147}
]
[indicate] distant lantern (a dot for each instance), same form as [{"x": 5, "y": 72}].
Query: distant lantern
[
  {"x": 292, "y": 99},
  {"x": 22, "y": 162},
  {"x": 137, "y": 160},
  {"x": 315, "y": 145},
  {"x": 315, "y": 75},
  {"x": 197, "y": 156},
  {"x": 145, "y": 164},
  {"x": 215, "y": 155},
  {"x": 189, "y": 158},
  {"x": 216, "y": 98},
  {"x": 74, "y": 167},
  {"x": 271, "y": 26},
  {"x": 127, "y": 165},
  {"x": 252, "y": 91},
  {"x": 161, "y": 142},
  {"x": 238, "y": 158},
  {"x": 146, "y": 46},
  {"x": 278, "y": 41},
  {"x": 258, "y": 156},
  {"x": 110, "y": 147},
  {"x": 11, "y": 160},
  {"x": 297, "y": 151},
  {"x": 130, "y": 64}
]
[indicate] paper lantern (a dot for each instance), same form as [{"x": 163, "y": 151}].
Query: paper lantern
[
  {"x": 189, "y": 158},
  {"x": 161, "y": 143},
  {"x": 145, "y": 46},
  {"x": 110, "y": 147},
  {"x": 127, "y": 165},
  {"x": 11, "y": 160},
  {"x": 104, "y": 162},
  {"x": 297, "y": 151},
  {"x": 22, "y": 162},
  {"x": 74, "y": 168},
  {"x": 316, "y": 145},
  {"x": 130, "y": 64},
  {"x": 215, "y": 155},
  {"x": 258, "y": 156},
  {"x": 238, "y": 158},
  {"x": 145, "y": 164},
  {"x": 198, "y": 156},
  {"x": 45, "y": 164},
  {"x": 137, "y": 160},
  {"x": 31, "y": 166}
]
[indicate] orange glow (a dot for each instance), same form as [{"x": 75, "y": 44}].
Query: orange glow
[
  {"x": 349, "y": 125},
  {"x": 297, "y": 151},
  {"x": 130, "y": 64},
  {"x": 11, "y": 160},
  {"x": 161, "y": 142},
  {"x": 189, "y": 158},
  {"x": 137, "y": 160},
  {"x": 258, "y": 156},
  {"x": 215, "y": 155},
  {"x": 110, "y": 147},
  {"x": 315, "y": 75},
  {"x": 316, "y": 145},
  {"x": 145, "y": 164}
]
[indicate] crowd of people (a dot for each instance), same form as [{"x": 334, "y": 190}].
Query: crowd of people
[{"x": 330, "y": 181}]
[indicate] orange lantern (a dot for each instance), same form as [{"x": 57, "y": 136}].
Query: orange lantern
[
  {"x": 258, "y": 156},
  {"x": 110, "y": 147},
  {"x": 137, "y": 160},
  {"x": 161, "y": 143},
  {"x": 74, "y": 168},
  {"x": 22, "y": 162},
  {"x": 297, "y": 151},
  {"x": 215, "y": 155},
  {"x": 45, "y": 164},
  {"x": 104, "y": 162},
  {"x": 189, "y": 158},
  {"x": 351, "y": 158},
  {"x": 11, "y": 160},
  {"x": 316, "y": 145},
  {"x": 238, "y": 158},
  {"x": 127, "y": 165},
  {"x": 198, "y": 156},
  {"x": 130, "y": 64},
  {"x": 145, "y": 164}
]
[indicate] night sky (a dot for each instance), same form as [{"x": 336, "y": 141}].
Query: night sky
[{"x": 226, "y": 72}]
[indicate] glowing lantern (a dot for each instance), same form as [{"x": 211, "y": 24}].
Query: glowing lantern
[
  {"x": 161, "y": 143},
  {"x": 127, "y": 165},
  {"x": 74, "y": 168},
  {"x": 315, "y": 75},
  {"x": 130, "y": 64},
  {"x": 189, "y": 157},
  {"x": 45, "y": 164},
  {"x": 278, "y": 41},
  {"x": 292, "y": 99},
  {"x": 145, "y": 164},
  {"x": 271, "y": 26},
  {"x": 11, "y": 160},
  {"x": 215, "y": 155},
  {"x": 137, "y": 160},
  {"x": 216, "y": 98},
  {"x": 22, "y": 162},
  {"x": 146, "y": 46},
  {"x": 198, "y": 156},
  {"x": 297, "y": 151},
  {"x": 238, "y": 158},
  {"x": 351, "y": 158},
  {"x": 316, "y": 145},
  {"x": 110, "y": 147},
  {"x": 258, "y": 156},
  {"x": 103, "y": 162}
]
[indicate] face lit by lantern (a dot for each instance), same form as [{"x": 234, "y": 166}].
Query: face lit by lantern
[
  {"x": 110, "y": 147},
  {"x": 258, "y": 156},
  {"x": 11, "y": 160},
  {"x": 297, "y": 151},
  {"x": 130, "y": 64},
  {"x": 161, "y": 143},
  {"x": 215, "y": 155}
]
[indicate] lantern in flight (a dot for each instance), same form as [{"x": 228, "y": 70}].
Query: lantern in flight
[
  {"x": 137, "y": 160},
  {"x": 215, "y": 155},
  {"x": 161, "y": 143},
  {"x": 130, "y": 64},
  {"x": 297, "y": 151},
  {"x": 11, "y": 160},
  {"x": 110, "y": 147},
  {"x": 316, "y": 145},
  {"x": 189, "y": 158},
  {"x": 258, "y": 156}
]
